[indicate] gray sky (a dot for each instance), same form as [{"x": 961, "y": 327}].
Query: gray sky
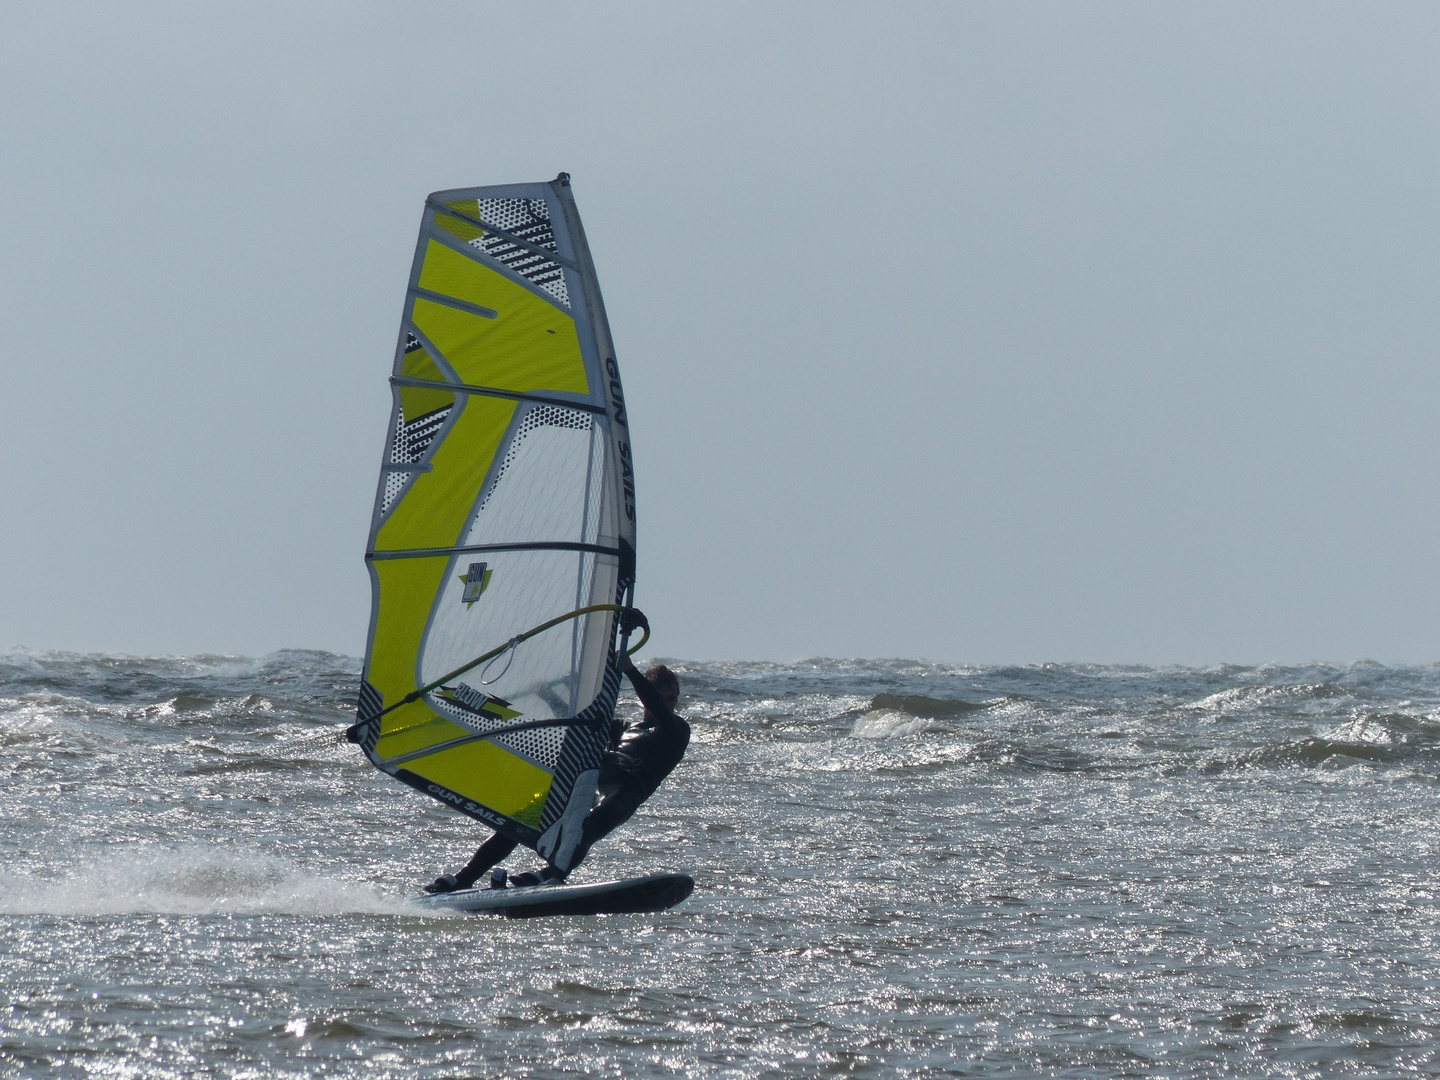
[{"x": 978, "y": 332}]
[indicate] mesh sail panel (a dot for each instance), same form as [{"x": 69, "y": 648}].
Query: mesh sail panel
[{"x": 524, "y": 220}]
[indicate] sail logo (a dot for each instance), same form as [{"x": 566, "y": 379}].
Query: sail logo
[
  {"x": 627, "y": 480},
  {"x": 617, "y": 396},
  {"x": 477, "y": 580},
  {"x": 484, "y": 813},
  {"x": 627, "y": 471}
]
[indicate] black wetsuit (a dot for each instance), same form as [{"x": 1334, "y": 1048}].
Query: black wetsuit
[{"x": 641, "y": 755}]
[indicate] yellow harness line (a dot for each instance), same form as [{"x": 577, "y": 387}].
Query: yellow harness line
[{"x": 415, "y": 695}]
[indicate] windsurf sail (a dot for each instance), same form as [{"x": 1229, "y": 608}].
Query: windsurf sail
[{"x": 506, "y": 502}]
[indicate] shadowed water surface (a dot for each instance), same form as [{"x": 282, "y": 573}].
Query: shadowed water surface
[{"x": 902, "y": 868}]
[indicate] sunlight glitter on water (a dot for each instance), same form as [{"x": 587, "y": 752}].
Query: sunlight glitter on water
[{"x": 1072, "y": 871}]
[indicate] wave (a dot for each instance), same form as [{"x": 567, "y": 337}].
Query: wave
[
  {"x": 926, "y": 707},
  {"x": 104, "y": 678},
  {"x": 1382, "y": 740},
  {"x": 1247, "y": 698},
  {"x": 889, "y": 724}
]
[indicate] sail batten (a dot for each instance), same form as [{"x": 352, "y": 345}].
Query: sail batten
[
  {"x": 504, "y": 514},
  {"x": 460, "y": 305},
  {"x": 490, "y": 391},
  {"x": 538, "y": 545}
]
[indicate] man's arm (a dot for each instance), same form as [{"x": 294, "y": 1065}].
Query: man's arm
[{"x": 645, "y": 690}]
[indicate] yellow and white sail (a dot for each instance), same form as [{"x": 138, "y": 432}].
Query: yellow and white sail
[{"x": 506, "y": 501}]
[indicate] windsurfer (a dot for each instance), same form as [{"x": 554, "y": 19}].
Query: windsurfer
[{"x": 641, "y": 755}]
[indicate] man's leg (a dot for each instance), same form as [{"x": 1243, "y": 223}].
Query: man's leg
[
  {"x": 486, "y": 856},
  {"x": 614, "y": 809}
]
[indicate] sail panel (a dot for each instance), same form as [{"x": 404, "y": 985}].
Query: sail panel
[
  {"x": 497, "y": 513},
  {"x": 519, "y": 236},
  {"x": 540, "y": 678},
  {"x": 436, "y": 509},
  {"x": 508, "y": 355}
]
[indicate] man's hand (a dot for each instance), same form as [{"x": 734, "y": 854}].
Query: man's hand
[{"x": 632, "y": 618}]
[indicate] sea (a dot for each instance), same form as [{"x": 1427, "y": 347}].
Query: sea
[{"x": 903, "y": 869}]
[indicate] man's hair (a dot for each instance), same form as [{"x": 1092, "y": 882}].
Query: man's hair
[{"x": 663, "y": 679}]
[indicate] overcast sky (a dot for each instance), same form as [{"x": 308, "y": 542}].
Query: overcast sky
[{"x": 975, "y": 332}]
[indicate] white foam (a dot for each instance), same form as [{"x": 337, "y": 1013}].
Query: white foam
[
  {"x": 1362, "y": 729},
  {"x": 191, "y": 880},
  {"x": 889, "y": 724}
]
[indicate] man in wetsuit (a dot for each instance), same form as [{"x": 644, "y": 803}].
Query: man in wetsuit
[{"x": 640, "y": 756}]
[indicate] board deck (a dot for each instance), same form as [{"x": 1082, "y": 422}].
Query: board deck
[{"x": 654, "y": 893}]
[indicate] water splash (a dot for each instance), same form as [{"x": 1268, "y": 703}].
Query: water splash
[{"x": 190, "y": 880}]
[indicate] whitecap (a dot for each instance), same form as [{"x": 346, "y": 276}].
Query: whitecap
[{"x": 889, "y": 724}]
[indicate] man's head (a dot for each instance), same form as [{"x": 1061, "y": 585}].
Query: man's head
[{"x": 664, "y": 680}]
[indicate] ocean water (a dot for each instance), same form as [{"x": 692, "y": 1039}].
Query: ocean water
[{"x": 903, "y": 869}]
